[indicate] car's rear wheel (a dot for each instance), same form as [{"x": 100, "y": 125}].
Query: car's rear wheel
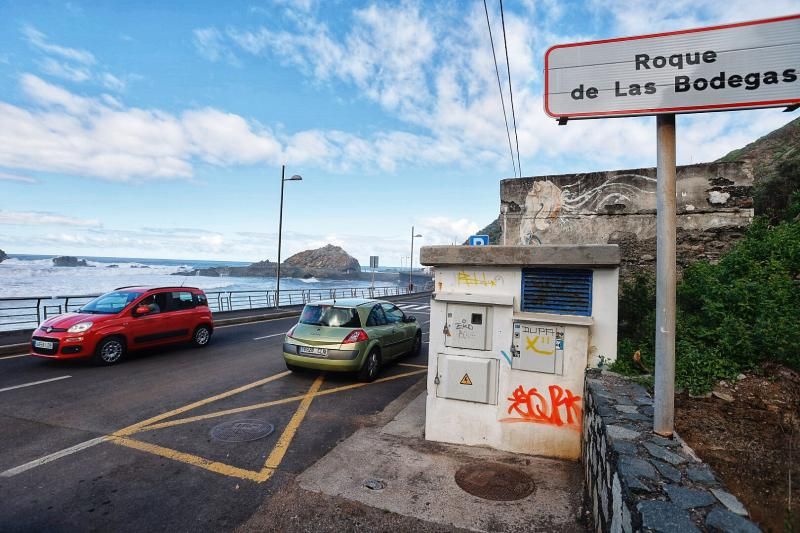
[
  {"x": 110, "y": 351},
  {"x": 372, "y": 366},
  {"x": 202, "y": 336},
  {"x": 417, "y": 347}
]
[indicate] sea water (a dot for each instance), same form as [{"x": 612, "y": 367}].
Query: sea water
[{"x": 35, "y": 276}]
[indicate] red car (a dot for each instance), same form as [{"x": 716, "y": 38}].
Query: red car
[{"x": 128, "y": 318}]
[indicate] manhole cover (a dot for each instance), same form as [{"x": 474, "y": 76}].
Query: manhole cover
[
  {"x": 494, "y": 481},
  {"x": 242, "y": 430}
]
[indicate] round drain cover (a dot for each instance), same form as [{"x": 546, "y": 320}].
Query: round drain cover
[
  {"x": 494, "y": 481},
  {"x": 242, "y": 430}
]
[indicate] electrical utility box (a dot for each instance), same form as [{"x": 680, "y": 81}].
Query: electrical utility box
[
  {"x": 512, "y": 332},
  {"x": 538, "y": 347},
  {"x": 471, "y": 379},
  {"x": 467, "y": 326}
]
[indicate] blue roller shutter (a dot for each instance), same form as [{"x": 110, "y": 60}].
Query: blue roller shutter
[{"x": 561, "y": 291}]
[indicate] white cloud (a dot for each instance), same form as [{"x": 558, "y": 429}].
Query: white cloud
[
  {"x": 39, "y": 40},
  {"x": 38, "y": 218},
  {"x": 70, "y": 64},
  {"x": 4, "y": 176},
  {"x": 210, "y": 44},
  {"x": 445, "y": 230}
]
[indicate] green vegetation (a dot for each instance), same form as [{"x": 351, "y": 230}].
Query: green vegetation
[
  {"x": 732, "y": 316},
  {"x": 494, "y": 231},
  {"x": 775, "y": 160}
]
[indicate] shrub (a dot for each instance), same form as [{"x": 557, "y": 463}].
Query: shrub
[{"x": 731, "y": 316}]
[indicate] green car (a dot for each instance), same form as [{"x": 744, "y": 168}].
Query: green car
[{"x": 351, "y": 335}]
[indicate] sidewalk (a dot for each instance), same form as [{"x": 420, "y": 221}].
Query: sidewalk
[{"x": 413, "y": 487}]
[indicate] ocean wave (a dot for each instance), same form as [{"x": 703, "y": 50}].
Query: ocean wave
[{"x": 309, "y": 280}]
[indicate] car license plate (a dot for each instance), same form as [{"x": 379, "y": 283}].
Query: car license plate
[
  {"x": 43, "y": 344},
  {"x": 313, "y": 351}
]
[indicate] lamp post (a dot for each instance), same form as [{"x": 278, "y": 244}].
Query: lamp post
[
  {"x": 280, "y": 231},
  {"x": 411, "y": 260}
]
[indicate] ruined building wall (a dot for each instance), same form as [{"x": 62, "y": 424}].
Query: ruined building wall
[{"x": 715, "y": 206}]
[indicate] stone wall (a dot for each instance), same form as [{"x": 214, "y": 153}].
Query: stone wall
[
  {"x": 715, "y": 206},
  {"x": 638, "y": 481}
]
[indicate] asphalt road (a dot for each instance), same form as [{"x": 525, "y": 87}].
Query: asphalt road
[{"x": 128, "y": 447}]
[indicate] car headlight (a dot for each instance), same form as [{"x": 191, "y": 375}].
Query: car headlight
[{"x": 80, "y": 327}]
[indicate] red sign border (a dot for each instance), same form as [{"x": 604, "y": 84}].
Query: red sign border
[{"x": 661, "y": 110}]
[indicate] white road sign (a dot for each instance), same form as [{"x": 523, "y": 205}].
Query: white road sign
[{"x": 735, "y": 66}]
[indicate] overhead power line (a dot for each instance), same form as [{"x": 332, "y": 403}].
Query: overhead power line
[
  {"x": 510, "y": 92},
  {"x": 500, "y": 88}
]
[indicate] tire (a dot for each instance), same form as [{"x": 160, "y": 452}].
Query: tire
[
  {"x": 371, "y": 368},
  {"x": 201, "y": 336},
  {"x": 417, "y": 347},
  {"x": 110, "y": 351},
  {"x": 295, "y": 369}
]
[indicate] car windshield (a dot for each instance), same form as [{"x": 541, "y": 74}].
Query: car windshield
[
  {"x": 328, "y": 315},
  {"x": 110, "y": 303}
]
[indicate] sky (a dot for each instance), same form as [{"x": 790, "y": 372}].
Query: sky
[{"x": 158, "y": 129}]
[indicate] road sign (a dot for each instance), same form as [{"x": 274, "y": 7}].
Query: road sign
[
  {"x": 746, "y": 65},
  {"x": 373, "y": 261},
  {"x": 478, "y": 240}
]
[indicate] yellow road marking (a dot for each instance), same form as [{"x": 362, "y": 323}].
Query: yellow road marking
[
  {"x": 276, "y": 456},
  {"x": 213, "y": 466},
  {"x": 235, "y": 410},
  {"x": 278, "y": 452},
  {"x": 412, "y": 365},
  {"x": 135, "y": 427}
]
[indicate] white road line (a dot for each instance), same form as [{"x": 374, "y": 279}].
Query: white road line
[
  {"x": 419, "y": 308},
  {"x": 426, "y": 322},
  {"x": 257, "y": 322},
  {"x": 52, "y": 457},
  {"x": 268, "y": 336},
  {"x": 33, "y": 383},
  {"x": 13, "y": 356}
]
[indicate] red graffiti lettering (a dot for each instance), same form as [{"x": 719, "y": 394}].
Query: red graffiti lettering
[{"x": 532, "y": 406}]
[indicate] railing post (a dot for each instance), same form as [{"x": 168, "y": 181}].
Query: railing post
[{"x": 38, "y": 311}]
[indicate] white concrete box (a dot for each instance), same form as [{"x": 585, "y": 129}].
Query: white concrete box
[{"x": 532, "y": 318}]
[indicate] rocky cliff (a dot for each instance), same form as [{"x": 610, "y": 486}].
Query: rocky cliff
[
  {"x": 69, "y": 261},
  {"x": 330, "y": 262},
  {"x": 3, "y": 256},
  {"x": 326, "y": 258}
]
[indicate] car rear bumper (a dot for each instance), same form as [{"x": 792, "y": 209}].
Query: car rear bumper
[{"x": 335, "y": 360}]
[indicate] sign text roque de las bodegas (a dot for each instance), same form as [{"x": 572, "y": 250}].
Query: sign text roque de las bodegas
[{"x": 735, "y": 66}]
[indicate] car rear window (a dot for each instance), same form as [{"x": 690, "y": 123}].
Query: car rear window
[{"x": 328, "y": 315}]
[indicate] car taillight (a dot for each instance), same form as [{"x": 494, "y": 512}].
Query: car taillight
[
  {"x": 290, "y": 333},
  {"x": 357, "y": 335}
]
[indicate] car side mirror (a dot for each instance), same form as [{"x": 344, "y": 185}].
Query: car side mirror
[
  {"x": 141, "y": 310},
  {"x": 410, "y": 318}
]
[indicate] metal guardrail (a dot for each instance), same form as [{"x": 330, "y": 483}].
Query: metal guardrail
[{"x": 29, "y": 312}]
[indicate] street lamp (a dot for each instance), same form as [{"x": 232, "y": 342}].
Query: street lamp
[
  {"x": 411, "y": 260},
  {"x": 280, "y": 231}
]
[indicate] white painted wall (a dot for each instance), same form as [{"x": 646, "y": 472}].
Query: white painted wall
[{"x": 509, "y": 423}]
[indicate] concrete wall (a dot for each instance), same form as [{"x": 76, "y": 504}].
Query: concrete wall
[
  {"x": 637, "y": 481},
  {"x": 714, "y": 206}
]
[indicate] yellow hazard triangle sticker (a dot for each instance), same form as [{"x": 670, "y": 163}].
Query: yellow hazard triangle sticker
[{"x": 465, "y": 380}]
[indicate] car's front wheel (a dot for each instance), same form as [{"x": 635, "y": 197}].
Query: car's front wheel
[
  {"x": 109, "y": 351},
  {"x": 372, "y": 366},
  {"x": 201, "y": 337}
]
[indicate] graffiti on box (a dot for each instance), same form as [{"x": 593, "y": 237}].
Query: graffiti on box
[
  {"x": 561, "y": 408},
  {"x": 476, "y": 279}
]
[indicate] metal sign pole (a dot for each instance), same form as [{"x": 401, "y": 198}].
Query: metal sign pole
[{"x": 666, "y": 213}]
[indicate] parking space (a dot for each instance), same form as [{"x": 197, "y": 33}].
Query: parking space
[{"x": 87, "y": 451}]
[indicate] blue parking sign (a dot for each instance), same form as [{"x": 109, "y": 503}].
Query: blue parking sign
[{"x": 478, "y": 240}]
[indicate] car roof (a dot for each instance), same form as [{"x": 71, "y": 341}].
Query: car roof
[
  {"x": 144, "y": 288},
  {"x": 346, "y": 302}
]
